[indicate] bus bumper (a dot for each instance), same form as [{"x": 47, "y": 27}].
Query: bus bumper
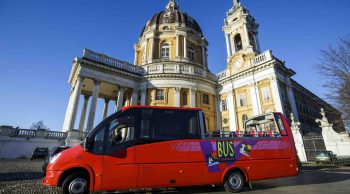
[{"x": 51, "y": 178}]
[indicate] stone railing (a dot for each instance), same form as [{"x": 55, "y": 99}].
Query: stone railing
[
  {"x": 259, "y": 59},
  {"x": 75, "y": 134},
  {"x": 106, "y": 60},
  {"x": 27, "y": 133},
  {"x": 178, "y": 69}
]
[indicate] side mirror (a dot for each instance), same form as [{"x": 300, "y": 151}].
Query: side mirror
[{"x": 87, "y": 144}]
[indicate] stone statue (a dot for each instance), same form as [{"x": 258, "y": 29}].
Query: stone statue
[
  {"x": 324, "y": 121},
  {"x": 295, "y": 126}
]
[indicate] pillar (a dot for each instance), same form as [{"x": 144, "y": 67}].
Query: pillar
[
  {"x": 185, "y": 46},
  {"x": 83, "y": 113},
  {"x": 152, "y": 48},
  {"x": 231, "y": 110},
  {"x": 143, "y": 96},
  {"x": 228, "y": 45},
  {"x": 193, "y": 97},
  {"x": 203, "y": 55},
  {"x": 119, "y": 104},
  {"x": 105, "y": 109},
  {"x": 134, "y": 96},
  {"x": 291, "y": 99},
  {"x": 177, "y": 97},
  {"x": 177, "y": 45},
  {"x": 93, "y": 104},
  {"x": 255, "y": 99},
  {"x": 276, "y": 94},
  {"x": 246, "y": 35},
  {"x": 218, "y": 112},
  {"x": 71, "y": 113}
]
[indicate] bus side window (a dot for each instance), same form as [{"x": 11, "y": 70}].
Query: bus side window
[{"x": 280, "y": 124}]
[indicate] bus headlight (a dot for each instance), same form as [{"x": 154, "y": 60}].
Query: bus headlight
[{"x": 54, "y": 158}]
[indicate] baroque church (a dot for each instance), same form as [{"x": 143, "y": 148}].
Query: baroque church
[{"x": 171, "y": 69}]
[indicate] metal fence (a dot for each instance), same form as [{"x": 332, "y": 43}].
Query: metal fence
[{"x": 342, "y": 160}]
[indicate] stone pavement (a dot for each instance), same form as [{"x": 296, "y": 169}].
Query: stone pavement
[{"x": 24, "y": 176}]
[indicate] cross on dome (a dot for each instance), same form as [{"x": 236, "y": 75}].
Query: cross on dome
[{"x": 172, "y": 5}]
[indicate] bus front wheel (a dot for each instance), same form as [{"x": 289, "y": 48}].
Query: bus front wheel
[
  {"x": 76, "y": 183},
  {"x": 234, "y": 182}
]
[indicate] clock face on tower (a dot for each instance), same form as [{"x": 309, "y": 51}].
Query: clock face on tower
[{"x": 238, "y": 64}]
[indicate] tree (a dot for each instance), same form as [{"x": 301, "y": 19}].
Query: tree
[
  {"x": 335, "y": 67},
  {"x": 39, "y": 126}
]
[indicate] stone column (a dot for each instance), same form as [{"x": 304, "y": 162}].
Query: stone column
[
  {"x": 177, "y": 45},
  {"x": 135, "y": 56},
  {"x": 193, "y": 97},
  {"x": 143, "y": 96},
  {"x": 152, "y": 48},
  {"x": 228, "y": 45},
  {"x": 71, "y": 113},
  {"x": 92, "y": 111},
  {"x": 246, "y": 35},
  {"x": 177, "y": 97},
  {"x": 105, "y": 109},
  {"x": 185, "y": 46},
  {"x": 83, "y": 113},
  {"x": 203, "y": 54},
  {"x": 119, "y": 104},
  {"x": 291, "y": 99},
  {"x": 134, "y": 96},
  {"x": 231, "y": 110},
  {"x": 218, "y": 112},
  {"x": 255, "y": 99},
  {"x": 276, "y": 94},
  {"x": 257, "y": 43}
]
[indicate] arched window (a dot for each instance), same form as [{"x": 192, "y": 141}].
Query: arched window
[
  {"x": 166, "y": 28},
  {"x": 191, "y": 53},
  {"x": 165, "y": 51},
  {"x": 238, "y": 42},
  {"x": 244, "y": 118}
]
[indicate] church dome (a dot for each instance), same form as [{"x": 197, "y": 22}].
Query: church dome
[{"x": 172, "y": 16}]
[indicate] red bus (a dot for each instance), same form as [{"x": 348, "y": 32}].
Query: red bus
[{"x": 142, "y": 147}]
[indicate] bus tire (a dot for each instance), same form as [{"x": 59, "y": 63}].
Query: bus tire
[
  {"x": 76, "y": 183},
  {"x": 234, "y": 182}
]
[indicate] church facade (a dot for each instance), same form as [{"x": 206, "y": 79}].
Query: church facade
[{"x": 171, "y": 69}]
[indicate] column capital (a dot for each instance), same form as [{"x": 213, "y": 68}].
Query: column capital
[
  {"x": 80, "y": 78},
  {"x": 177, "y": 89},
  {"x": 252, "y": 84},
  {"x": 193, "y": 90},
  {"x": 122, "y": 89},
  {"x": 273, "y": 78},
  {"x": 230, "y": 93},
  {"x": 97, "y": 82}
]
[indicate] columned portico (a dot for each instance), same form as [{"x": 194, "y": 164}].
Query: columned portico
[
  {"x": 73, "y": 106},
  {"x": 92, "y": 111}
]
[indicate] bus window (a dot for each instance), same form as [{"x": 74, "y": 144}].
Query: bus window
[
  {"x": 169, "y": 125},
  {"x": 281, "y": 125},
  {"x": 262, "y": 126}
]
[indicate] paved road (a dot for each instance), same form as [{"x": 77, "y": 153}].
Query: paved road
[{"x": 24, "y": 176}]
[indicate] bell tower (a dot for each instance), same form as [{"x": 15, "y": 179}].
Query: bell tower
[{"x": 241, "y": 32}]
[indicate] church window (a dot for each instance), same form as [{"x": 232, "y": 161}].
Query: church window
[
  {"x": 242, "y": 100},
  {"x": 224, "y": 105},
  {"x": 266, "y": 94},
  {"x": 191, "y": 53},
  {"x": 165, "y": 51},
  {"x": 238, "y": 42},
  {"x": 159, "y": 94},
  {"x": 205, "y": 99}
]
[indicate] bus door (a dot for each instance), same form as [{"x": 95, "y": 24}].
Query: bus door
[
  {"x": 163, "y": 146},
  {"x": 119, "y": 170},
  {"x": 266, "y": 147}
]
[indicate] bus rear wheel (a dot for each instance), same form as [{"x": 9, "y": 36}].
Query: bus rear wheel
[
  {"x": 234, "y": 182},
  {"x": 75, "y": 183}
]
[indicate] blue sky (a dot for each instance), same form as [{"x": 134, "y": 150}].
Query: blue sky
[{"x": 39, "y": 39}]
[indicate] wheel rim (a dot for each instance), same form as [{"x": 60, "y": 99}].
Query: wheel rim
[
  {"x": 77, "y": 186},
  {"x": 235, "y": 181}
]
